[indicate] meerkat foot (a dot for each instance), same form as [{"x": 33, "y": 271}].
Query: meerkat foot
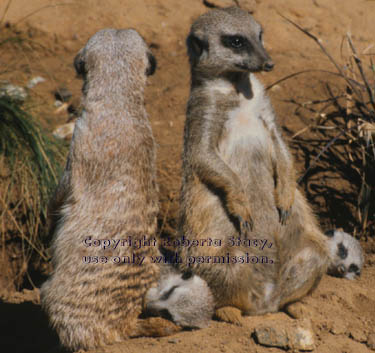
[
  {"x": 229, "y": 314},
  {"x": 297, "y": 310},
  {"x": 154, "y": 327}
]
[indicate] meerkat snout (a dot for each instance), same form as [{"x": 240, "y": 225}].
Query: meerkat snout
[
  {"x": 268, "y": 66},
  {"x": 219, "y": 42}
]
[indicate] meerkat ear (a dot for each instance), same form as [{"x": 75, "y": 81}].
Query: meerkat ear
[
  {"x": 79, "y": 63},
  {"x": 196, "y": 46},
  {"x": 187, "y": 275},
  {"x": 152, "y": 63}
]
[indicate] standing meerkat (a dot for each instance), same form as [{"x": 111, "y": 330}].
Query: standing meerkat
[
  {"x": 107, "y": 193},
  {"x": 239, "y": 180}
]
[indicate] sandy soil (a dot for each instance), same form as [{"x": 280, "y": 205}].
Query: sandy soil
[{"x": 342, "y": 312}]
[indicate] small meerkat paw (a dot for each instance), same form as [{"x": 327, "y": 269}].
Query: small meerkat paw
[
  {"x": 241, "y": 212},
  {"x": 229, "y": 314},
  {"x": 284, "y": 200}
]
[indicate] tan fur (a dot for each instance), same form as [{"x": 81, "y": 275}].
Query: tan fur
[
  {"x": 108, "y": 191},
  {"x": 238, "y": 175}
]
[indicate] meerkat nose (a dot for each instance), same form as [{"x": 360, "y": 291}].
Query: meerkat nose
[{"x": 268, "y": 65}]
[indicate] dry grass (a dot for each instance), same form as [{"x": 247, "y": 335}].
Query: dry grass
[
  {"x": 30, "y": 163},
  {"x": 30, "y": 159},
  {"x": 339, "y": 149}
]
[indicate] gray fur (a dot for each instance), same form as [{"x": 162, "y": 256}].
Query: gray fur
[
  {"x": 348, "y": 266},
  {"x": 187, "y": 300}
]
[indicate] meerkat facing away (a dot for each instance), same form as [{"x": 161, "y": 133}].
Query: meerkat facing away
[
  {"x": 184, "y": 297},
  {"x": 238, "y": 177},
  {"x": 108, "y": 192},
  {"x": 346, "y": 255}
]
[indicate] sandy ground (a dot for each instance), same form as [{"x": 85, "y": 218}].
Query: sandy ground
[{"x": 342, "y": 312}]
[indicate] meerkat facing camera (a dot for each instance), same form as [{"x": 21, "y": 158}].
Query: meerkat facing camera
[
  {"x": 346, "y": 254},
  {"x": 183, "y": 297},
  {"x": 108, "y": 191},
  {"x": 239, "y": 179}
]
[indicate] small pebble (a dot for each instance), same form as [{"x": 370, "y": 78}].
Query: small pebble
[
  {"x": 16, "y": 93},
  {"x": 297, "y": 335},
  {"x": 34, "y": 81},
  {"x": 173, "y": 340}
]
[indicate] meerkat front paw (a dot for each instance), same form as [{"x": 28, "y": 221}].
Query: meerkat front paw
[
  {"x": 238, "y": 208},
  {"x": 229, "y": 314},
  {"x": 284, "y": 200}
]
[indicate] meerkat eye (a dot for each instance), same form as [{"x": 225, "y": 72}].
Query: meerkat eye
[{"x": 235, "y": 42}]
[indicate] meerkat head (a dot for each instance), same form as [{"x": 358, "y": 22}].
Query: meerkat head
[
  {"x": 184, "y": 298},
  {"x": 346, "y": 255},
  {"x": 111, "y": 54},
  {"x": 227, "y": 40}
]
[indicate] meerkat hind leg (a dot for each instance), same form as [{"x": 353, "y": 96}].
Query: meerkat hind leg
[{"x": 301, "y": 275}]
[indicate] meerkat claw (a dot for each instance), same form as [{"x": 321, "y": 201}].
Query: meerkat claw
[
  {"x": 283, "y": 215},
  {"x": 249, "y": 226},
  {"x": 245, "y": 226}
]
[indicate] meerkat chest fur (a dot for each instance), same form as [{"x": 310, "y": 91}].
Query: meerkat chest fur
[{"x": 248, "y": 122}]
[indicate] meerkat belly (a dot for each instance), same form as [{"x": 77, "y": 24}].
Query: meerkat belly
[
  {"x": 246, "y": 146},
  {"x": 246, "y": 141},
  {"x": 243, "y": 130}
]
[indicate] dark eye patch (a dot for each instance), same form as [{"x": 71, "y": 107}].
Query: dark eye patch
[
  {"x": 342, "y": 251},
  {"x": 168, "y": 294},
  {"x": 353, "y": 268},
  {"x": 330, "y": 233},
  {"x": 237, "y": 43}
]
